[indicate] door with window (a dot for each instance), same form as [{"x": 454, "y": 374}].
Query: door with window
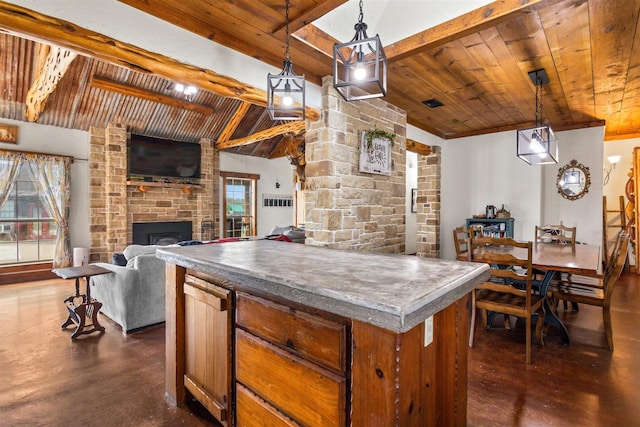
[
  {"x": 239, "y": 204},
  {"x": 27, "y": 231}
]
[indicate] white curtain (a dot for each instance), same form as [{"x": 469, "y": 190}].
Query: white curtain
[
  {"x": 9, "y": 167},
  {"x": 52, "y": 175}
]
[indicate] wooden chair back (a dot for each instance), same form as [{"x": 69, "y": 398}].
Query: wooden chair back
[
  {"x": 559, "y": 234},
  {"x": 613, "y": 272},
  {"x": 460, "y": 239},
  {"x": 509, "y": 289},
  {"x": 586, "y": 293}
]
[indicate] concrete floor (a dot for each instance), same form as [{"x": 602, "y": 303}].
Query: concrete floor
[{"x": 115, "y": 380}]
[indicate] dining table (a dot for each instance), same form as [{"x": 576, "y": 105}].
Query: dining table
[{"x": 553, "y": 258}]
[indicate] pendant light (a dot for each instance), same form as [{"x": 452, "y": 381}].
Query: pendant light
[
  {"x": 360, "y": 66},
  {"x": 285, "y": 91},
  {"x": 538, "y": 145}
]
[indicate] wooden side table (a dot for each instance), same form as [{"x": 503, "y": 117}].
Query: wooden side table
[{"x": 83, "y": 310}]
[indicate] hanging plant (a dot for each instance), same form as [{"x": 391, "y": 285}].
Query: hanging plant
[{"x": 378, "y": 133}]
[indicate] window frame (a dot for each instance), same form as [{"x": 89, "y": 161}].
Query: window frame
[{"x": 253, "y": 218}]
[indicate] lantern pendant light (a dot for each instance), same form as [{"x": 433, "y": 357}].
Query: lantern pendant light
[
  {"x": 286, "y": 90},
  {"x": 538, "y": 145},
  {"x": 360, "y": 65}
]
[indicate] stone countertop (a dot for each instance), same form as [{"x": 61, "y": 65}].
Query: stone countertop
[{"x": 395, "y": 292}]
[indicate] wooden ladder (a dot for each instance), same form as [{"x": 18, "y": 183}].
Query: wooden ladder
[{"x": 613, "y": 220}]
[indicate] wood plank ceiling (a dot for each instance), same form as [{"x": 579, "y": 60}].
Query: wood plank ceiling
[{"x": 477, "y": 65}]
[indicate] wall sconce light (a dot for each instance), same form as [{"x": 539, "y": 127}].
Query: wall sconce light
[
  {"x": 277, "y": 184},
  {"x": 613, "y": 161},
  {"x": 538, "y": 145},
  {"x": 360, "y": 65},
  {"x": 286, "y": 90}
]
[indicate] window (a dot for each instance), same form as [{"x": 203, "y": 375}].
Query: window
[
  {"x": 239, "y": 204},
  {"x": 27, "y": 231}
]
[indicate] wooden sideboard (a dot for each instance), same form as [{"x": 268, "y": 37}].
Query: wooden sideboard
[{"x": 260, "y": 344}]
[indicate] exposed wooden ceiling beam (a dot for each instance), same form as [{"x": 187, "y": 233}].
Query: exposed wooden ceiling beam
[
  {"x": 317, "y": 39},
  {"x": 36, "y": 26},
  {"x": 497, "y": 129},
  {"x": 125, "y": 89},
  {"x": 456, "y": 28},
  {"x": 284, "y": 148},
  {"x": 52, "y": 63},
  {"x": 309, "y": 15},
  {"x": 418, "y": 147},
  {"x": 234, "y": 122},
  {"x": 294, "y": 127}
]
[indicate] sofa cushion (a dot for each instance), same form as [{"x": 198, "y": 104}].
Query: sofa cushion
[{"x": 132, "y": 251}]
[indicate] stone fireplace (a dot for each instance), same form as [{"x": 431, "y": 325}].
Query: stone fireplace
[{"x": 115, "y": 204}]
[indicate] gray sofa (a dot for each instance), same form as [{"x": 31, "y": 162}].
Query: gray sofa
[{"x": 133, "y": 296}]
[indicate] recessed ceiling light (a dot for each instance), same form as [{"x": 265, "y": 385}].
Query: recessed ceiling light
[{"x": 432, "y": 103}]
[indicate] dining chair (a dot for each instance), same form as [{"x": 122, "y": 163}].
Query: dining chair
[
  {"x": 555, "y": 234},
  {"x": 509, "y": 288},
  {"x": 460, "y": 238},
  {"x": 595, "y": 295},
  {"x": 560, "y": 234}
]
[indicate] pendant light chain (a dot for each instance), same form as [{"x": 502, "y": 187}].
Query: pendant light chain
[
  {"x": 286, "y": 51},
  {"x": 538, "y": 101},
  {"x": 286, "y": 90},
  {"x": 361, "y": 16}
]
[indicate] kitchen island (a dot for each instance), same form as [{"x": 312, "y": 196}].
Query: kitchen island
[{"x": 272, "y": 333}]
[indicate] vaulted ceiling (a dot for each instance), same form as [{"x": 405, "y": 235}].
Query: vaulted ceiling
[{"x": 476, "y": 65}]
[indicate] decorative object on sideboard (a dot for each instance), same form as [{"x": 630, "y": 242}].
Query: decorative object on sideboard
[
  {"x": 503, "y": 213},
  {"x": 573, "y": 180},
  {"x": 360, "y": 65},
  {"x": 538, "y": 145},
  {"x": 490, "y": 212},
  {"x": 286, "y": 90}
]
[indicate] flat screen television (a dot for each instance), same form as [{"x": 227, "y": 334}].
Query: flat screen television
[{"x": 154, "y": 158}]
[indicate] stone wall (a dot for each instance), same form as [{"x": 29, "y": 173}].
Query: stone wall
[
  {"x": 114, "y": 205},
  {"x": 428, "y": 204},
  {"x": 345, "y": 208}
]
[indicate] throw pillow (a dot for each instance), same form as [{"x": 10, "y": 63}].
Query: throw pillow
[{"x": 119, "y": 259}]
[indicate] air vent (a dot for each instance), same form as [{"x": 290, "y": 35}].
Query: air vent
[{"x": 432, "y": 103}]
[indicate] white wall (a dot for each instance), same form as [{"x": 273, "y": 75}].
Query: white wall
[
  {"x": 619, "y": 176},
  {"x": 585, "y": 146},
  {"x": 67, "y": 142},
  {"x": 270, "y": 171},
  {"x": 482, "y": 170}
]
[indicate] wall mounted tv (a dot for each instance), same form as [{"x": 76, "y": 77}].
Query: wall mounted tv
[{"x": 154, "y": 158}]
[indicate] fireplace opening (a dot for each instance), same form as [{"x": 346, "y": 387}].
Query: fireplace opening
[
  {"x": 161, "y": 233},
  {"x": 164, "y": 239}
]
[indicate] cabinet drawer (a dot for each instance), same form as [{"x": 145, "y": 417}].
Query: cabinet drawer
[
  {"x": 252, "y": 411},
  {"x": 310, "y": 336},
  {"x": 301, "y": 390}
]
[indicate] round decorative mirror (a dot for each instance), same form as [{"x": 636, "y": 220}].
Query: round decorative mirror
[{"x": 574, "y": 180}]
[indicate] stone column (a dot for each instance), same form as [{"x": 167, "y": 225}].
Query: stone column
[
  {"x": 428, "y": 204},
  {"x": 345, "y": 208}
]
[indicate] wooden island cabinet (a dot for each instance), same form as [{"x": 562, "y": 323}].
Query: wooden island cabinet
[{"x": 267, "y": 333}]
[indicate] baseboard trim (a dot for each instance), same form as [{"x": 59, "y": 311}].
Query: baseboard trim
[{"x": 18, "y": 273}]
